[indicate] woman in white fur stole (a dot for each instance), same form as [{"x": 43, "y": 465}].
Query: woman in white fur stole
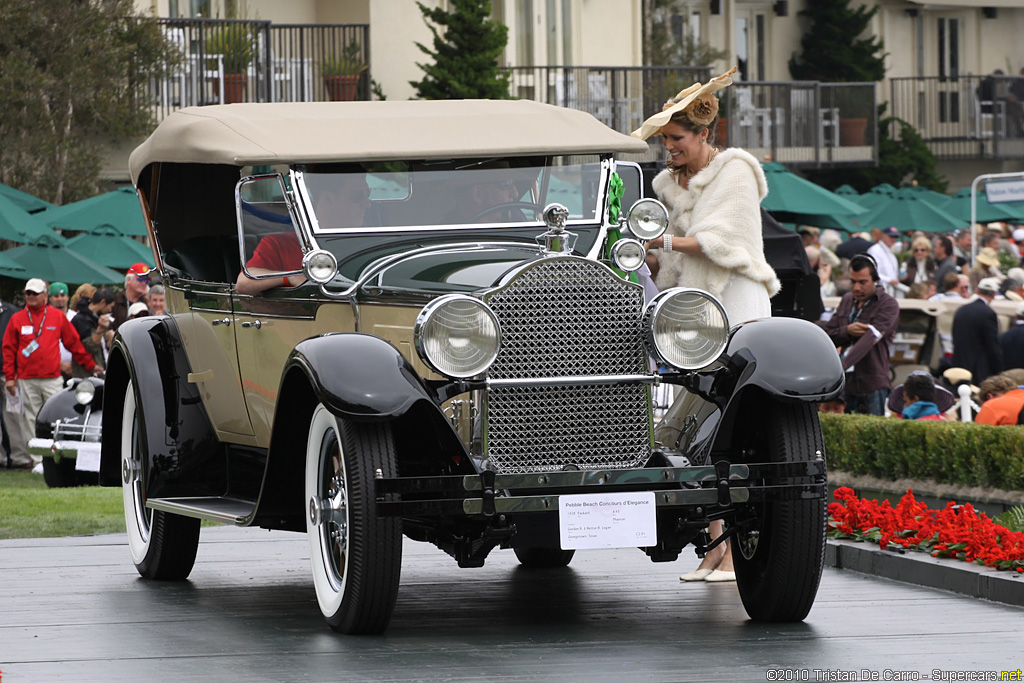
[{"x": 713, "y": 241}]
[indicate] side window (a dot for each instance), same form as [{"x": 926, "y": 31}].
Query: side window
[{"x": 270, "y": 244}]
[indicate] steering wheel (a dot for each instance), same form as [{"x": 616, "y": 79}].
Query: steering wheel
[{"x": 507, "y": 205}]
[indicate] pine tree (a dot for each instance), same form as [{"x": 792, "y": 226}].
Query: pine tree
[
  {"x": 833, "y": 50},
  {"x": 465, "y": 53}
]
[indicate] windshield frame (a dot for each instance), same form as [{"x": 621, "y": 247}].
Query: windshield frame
[{"x": 305, "y": 208}]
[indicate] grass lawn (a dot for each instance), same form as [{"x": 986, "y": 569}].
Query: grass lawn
[{"x": 29, "y": 509}]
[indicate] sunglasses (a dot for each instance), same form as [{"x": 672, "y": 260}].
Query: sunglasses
[{"x": 29, "y": 292}]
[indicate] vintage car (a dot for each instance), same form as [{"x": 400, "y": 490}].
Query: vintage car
[
  {"x": 68, "y": 434},
  {"x": 455, "y": 350}
]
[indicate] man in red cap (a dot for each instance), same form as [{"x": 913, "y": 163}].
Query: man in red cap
[
  {"x": 31, "y": 352},
  {"x": 136, "y": 286}
]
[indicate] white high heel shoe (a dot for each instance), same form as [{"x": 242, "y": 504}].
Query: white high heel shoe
[{"x": 696, "y": 575}]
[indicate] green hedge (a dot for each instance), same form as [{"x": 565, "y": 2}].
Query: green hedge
[{"x": 946, "y": 452}]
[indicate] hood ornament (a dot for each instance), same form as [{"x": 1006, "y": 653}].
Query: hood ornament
[{"x": 557, "y": 240}]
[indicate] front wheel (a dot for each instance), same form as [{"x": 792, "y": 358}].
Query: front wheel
[
  {"x": 356, "y": 556},
  {"x": 59, "y": 474},
  {"x": 544, "y": 558},
  {"x": 779, "y": 559},
  {"x": 163, "y": 545}
]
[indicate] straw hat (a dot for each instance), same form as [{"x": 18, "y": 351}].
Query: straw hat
[
  {"x": 699, "y": 93},
  {"x": 988, "y": 257}
]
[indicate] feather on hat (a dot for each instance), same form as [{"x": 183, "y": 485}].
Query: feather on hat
[{"x": 681, "y": 101}]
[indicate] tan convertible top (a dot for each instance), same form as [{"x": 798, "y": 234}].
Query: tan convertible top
[{"x": 310, "y": 132}]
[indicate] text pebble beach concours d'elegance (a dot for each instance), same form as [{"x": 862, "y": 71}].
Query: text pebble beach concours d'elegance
[{"x": 890, "y": 675}]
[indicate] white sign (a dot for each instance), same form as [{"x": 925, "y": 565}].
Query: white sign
[
  {"x": 1004, "y": 191},
  {"x": 607, "y": 520},
  {"x": 88, "y": 459}
]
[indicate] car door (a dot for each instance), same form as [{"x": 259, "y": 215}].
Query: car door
[
  {"x": 270, "y": 323},
  {"x": 209, "y": 339}
]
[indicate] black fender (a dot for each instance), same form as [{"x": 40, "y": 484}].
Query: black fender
[
  {"x": 64, "y": 406},
  {"x": 790, "y": 358},
  {"x": 180, "y": 442},
  {"x": 357, "y": 377},
  {"x": 783, "y": 359}
]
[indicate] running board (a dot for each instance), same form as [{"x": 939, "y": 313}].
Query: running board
[{"x": 217, "y": 508}]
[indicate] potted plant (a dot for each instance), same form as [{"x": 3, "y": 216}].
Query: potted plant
[
  {"x": 342, "y": 73},
  {"x": 237, "y": 45}
]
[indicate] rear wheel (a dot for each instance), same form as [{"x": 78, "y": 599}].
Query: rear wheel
[
  {"x": 356, "y": 556},
  {"x": 544, "y": 558},
  {"x": 163, "y": 545},
  {"x": 779, "y": 559}
]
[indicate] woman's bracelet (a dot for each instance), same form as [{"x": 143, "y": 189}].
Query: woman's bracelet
[{"x": 667, "y": 239}]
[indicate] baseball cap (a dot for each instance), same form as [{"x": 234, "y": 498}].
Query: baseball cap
[
  {"x": 989, "y": 284},
  {"x": 139, "y": 270},
  {"x": 58, "y": 288},
  {"x": 136, "y": 308},
  {"x": 1018, "y": 235},
  {"x": 891, "y": 231},
  {"x": 35, "y": 285}
]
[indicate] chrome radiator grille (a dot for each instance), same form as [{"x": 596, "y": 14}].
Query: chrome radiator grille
[{"x": 568, "y": 317}]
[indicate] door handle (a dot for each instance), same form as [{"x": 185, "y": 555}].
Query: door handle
[
  {"x": 255, "y": 323},
  {"x": 222, "y": 321}
]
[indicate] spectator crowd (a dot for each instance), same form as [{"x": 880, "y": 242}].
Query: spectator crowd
[
  {"x": 973, "y": 268},
  {"x": 55, "y": 337}
]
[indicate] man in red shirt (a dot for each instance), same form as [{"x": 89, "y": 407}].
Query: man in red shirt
[{"x": 31, "y": 351}]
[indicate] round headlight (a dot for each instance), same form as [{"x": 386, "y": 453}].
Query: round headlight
[
  {"x": 84, "y": 392},
  {"x": 628, "y": 255},
  {"x": 457, "y": 335},
  {"x": 686, "y": 328},
  {"x": 320, "y": 266},
  {"x": 647, "y": 219}
]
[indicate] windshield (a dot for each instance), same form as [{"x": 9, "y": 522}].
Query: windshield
[{"x": 459, "y": 193}]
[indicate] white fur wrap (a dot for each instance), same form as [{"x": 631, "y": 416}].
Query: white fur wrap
[{"x": 722, "y": 210}]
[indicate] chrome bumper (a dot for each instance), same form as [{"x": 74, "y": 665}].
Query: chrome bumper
[{"x": 80, "y": 443}]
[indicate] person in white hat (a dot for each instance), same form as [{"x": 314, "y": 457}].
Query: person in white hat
[
  {"x": 976, "y": 334},
  {"x": 31, "y": 352},
  {"x": 713, "y": 241}
]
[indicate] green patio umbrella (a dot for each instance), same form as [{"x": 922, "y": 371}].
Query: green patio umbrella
[
  {"x": 50, "y": 258},
  {"x": 108, "y": 247},
  {"x": 793, "y": 199},
  {"x": 908, "y": 213},
  {"x": 23, "y": 200},
  {"x": 846, "y": 191},
  {"x": 119, "y": 208},
  {"x": 837, "y": 222},
  {"x": 17, "y": 225},
  {"x": 960, "y": 206},
  {"x": 9, "y": 264},
  {"x": 876, "y": 195},
  {"x": 936, "y": 199}
]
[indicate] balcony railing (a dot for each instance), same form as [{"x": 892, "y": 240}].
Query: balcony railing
[
  {"x": 224, "y": 61},
  {"x": 801, "y": 123},
  {"x": 967, "y": 117}
]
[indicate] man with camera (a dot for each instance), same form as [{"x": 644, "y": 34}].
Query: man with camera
[{"x": 94, "y": 327}]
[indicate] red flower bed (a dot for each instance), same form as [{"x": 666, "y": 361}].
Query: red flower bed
[{"x": 957, "y": 531}]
